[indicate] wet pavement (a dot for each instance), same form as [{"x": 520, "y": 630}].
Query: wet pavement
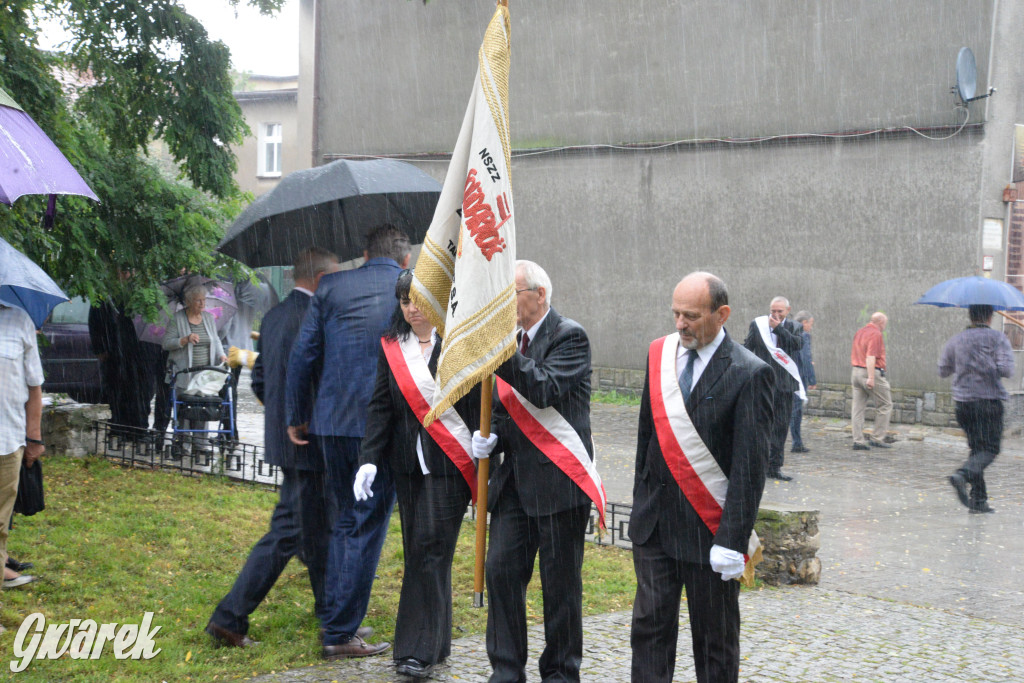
[{"x": 913, "y": 588}]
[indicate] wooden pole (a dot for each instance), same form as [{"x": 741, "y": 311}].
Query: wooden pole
[
  {"x": 1011, "y": 319},
  {"x": 483, "y": 468}
]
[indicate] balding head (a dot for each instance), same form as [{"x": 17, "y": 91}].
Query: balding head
[
  {"x": 700, "y": 304},
  {"x": 879, "y": 320}
]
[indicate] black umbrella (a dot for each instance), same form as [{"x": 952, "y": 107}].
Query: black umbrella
[{"x": 332, "y": 206}]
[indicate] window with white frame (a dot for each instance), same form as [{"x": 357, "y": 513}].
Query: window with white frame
[{"x": 269, "y": 155}]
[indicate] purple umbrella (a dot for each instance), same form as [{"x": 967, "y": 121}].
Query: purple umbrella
[{"x": 29, "y": 161}]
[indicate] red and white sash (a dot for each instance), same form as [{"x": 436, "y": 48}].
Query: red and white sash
[
  {"x": 693, "y": 467},
  {"x": 555, "y": 437},
  {"x": 417, "y": 386},
  {"x": 780, "y": 356}
]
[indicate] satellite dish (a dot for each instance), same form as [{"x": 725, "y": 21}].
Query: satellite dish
[
  {"x": 967, "y": 77},
  {"x": 966, "y": 74}
]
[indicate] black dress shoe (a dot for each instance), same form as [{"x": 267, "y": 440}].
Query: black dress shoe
[
  {"x": 861, "y": 446},
  {"x": 800, "y": 449},
  {"x": 357, "y": 647},
  {"x": 960, "y": 485},
  {"x": 879, "y": 444},
  {"x": 778, "y": 475},
  {"x": 981, "y": 509},
  {"x": 18, "y": 566},
  {"x": 410, "y": 666},
  {"x": 229, "y": 638}
]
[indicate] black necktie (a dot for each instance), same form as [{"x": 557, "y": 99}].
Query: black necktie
[
  {"x": 686, "y": 376},
  {"x": 526, "y": 344}
]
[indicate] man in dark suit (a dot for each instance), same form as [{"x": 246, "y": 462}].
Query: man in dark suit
[
  {"x": 786, "y": 335},
  {"x": 534, "y": 504},
  {"x": 299, "y": 525},
  {"x": 340, "y": 337},
  {"x": 705, "y": 415}
]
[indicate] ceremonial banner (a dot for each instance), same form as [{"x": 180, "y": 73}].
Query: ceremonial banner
[{"x": 464, "y": 280}]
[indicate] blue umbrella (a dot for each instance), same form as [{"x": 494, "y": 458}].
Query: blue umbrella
[
  {"x": 962, "y": 292},
  {"x": 24, "y": 285}
]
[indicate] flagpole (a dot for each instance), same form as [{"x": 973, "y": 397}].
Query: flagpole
[{"x": 482, "y": 475}]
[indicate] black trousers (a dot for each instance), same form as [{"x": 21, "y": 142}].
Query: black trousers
[
  {"x": 714, "y": 610},
  {"x": 515, "y": 540},
  {"x": 983, "y": 422},
  {"x": 299, "y": 526},
  {"x": 432, "y": 508},
  {"x": 782, "y": 405}
]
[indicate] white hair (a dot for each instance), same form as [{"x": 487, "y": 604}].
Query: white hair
[
  {"x": 193, "y": 292},
  {"x": 535, "y": 277},
  {"x": 782, "y": 299}
]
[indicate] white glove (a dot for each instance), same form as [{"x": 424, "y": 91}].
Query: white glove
[
  {"x": 728, "y": 563},
  {"x": 482, "y": 446},
  {"x": 364, "y": 480}
]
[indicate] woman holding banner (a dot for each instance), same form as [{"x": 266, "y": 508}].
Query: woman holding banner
[{"x": 434, "y": 474}]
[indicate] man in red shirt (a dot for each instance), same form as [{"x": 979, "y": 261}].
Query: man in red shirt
[{"x": 868, "y": 379}]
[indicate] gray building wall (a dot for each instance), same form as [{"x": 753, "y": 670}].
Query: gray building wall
[
  {"x": 268, "y": 106},
  {"x": 842, "y": 226}
]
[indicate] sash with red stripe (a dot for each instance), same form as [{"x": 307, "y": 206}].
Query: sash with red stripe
[
  {"x": 692, "y": 466},
  {"x": 417, "y": 386},
  {"x": 555, "y": 437}
]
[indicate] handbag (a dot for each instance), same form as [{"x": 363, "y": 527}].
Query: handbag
[{"x": 30, "y": 490}]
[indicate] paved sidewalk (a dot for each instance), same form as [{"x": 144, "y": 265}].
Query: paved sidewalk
[
  {"x": 791, "y": 635},
  {"x": 913, "y": 587}
]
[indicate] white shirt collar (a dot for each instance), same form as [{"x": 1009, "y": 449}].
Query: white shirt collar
[{"x": 303, "y": 290}]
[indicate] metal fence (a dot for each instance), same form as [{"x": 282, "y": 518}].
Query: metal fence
[{"x": 243, "y": 463}]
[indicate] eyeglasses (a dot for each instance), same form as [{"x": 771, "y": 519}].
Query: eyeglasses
[{"x": 527, "y": 289}]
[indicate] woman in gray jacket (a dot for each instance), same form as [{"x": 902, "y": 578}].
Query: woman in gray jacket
[{"x": 191, "y": 340}]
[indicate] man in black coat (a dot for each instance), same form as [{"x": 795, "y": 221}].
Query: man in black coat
[
  {"x": 300, "y": 523},
  {"x": 680, "y": 537},
  {"x": 124, "y": 367},
  {"x": 788, "y": 336},
  {"x": 534, "y": 505}
]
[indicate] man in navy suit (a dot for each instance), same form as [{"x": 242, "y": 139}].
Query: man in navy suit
[
  {"x": 340, "y": 336},
  {"x": 299, "y": 525}
]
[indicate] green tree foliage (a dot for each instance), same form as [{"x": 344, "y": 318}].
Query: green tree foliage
[{"x": 142, "y": 70}]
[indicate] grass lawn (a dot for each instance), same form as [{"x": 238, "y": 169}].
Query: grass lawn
[{"x": 114, "y": 543}]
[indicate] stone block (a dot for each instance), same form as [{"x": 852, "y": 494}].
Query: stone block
[
  {"x": 933, "y": 419},
  {"x": 68, "y": 428},
  {"x": 790, "y": 540}
]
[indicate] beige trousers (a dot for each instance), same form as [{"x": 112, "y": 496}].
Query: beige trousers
[
  {"x": 883, "y": 404},
  {"x": 10, "y": 472}
]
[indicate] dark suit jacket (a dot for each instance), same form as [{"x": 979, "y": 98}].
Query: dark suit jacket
[
  {"x": 269, "y": 378},
  {"x": 554, "y": 372},
  {"x": 391, "y": 426},
  {"x": 731, "y": 408},
  {"x": 341, "y": 334},
  {"x": 790, "y": 340}
]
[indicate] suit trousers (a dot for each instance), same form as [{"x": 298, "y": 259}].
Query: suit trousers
[
  {"x": 356, "y": 540},
  {"x": 782, "y": 409},
  {"x": 796, "y": 421},
  {"x": 299, "y": 526},
  {"x": 983, "y": 423},
  {"x": 714, "y": 610},
  {"x": 883, "y": 404},
  {"x": 432, "y": 508},
  {"x": 516, "y": 539}
]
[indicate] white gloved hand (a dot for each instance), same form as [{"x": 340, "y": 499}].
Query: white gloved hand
[
  {"x": 482, "y": 446},
  {"x": 364, "y": 480},
  {"x": 726, "y": 562}
]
